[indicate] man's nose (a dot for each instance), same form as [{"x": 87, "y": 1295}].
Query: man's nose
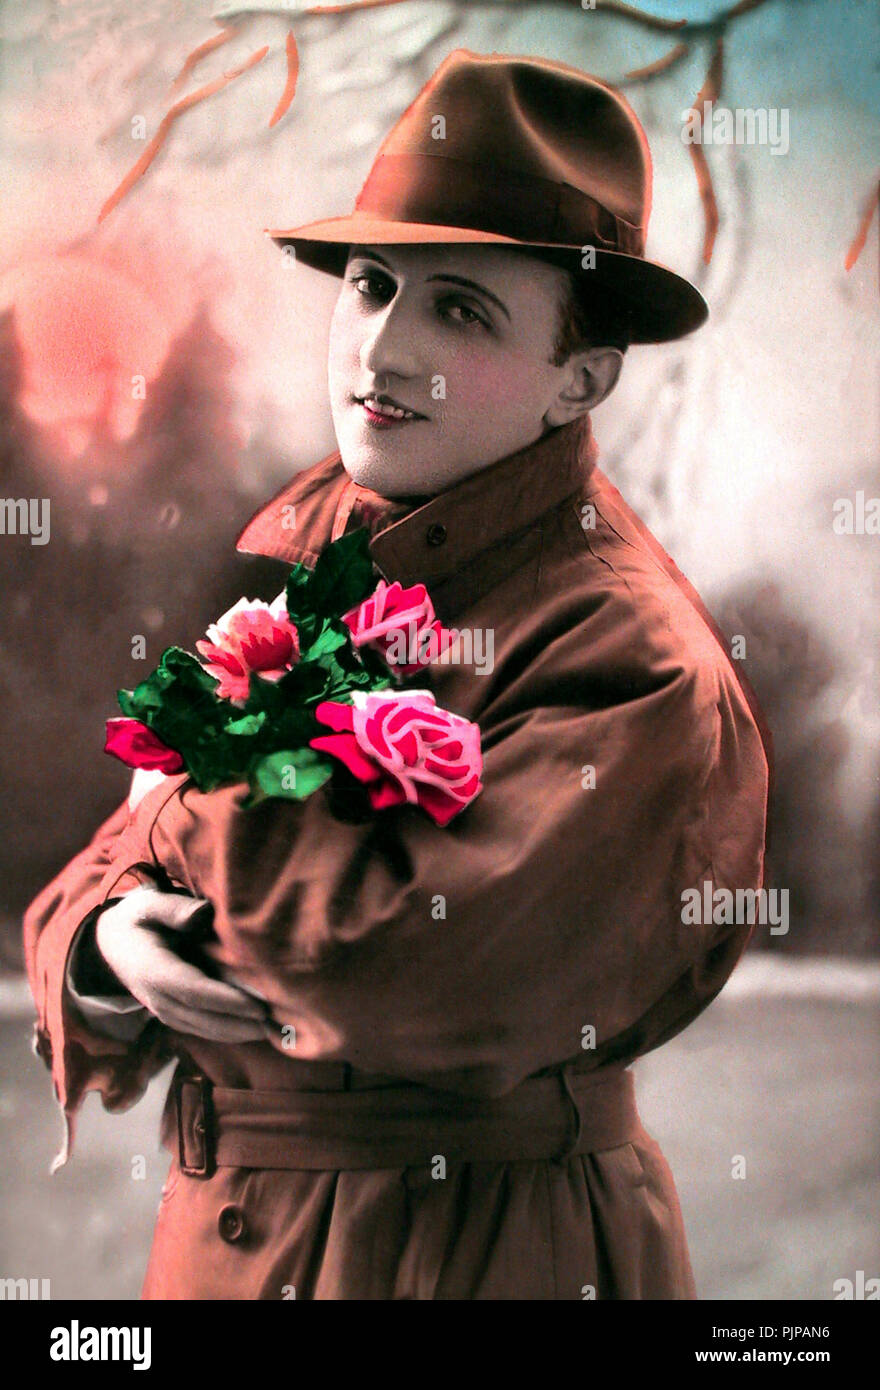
[{"x": 390, "y": 346}]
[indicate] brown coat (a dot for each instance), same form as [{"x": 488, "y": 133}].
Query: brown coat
[{"x": 560, "y": 911}]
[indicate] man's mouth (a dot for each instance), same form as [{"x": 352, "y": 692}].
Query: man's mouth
[{"x": 385, "y": 410}]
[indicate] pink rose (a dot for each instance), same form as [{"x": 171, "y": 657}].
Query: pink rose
[
  {"x": 135, "y": 744},
  {"x": 401, "y": 625},
  {"x": 405, "y": 749},
  {"x": 251, "y": 636}
]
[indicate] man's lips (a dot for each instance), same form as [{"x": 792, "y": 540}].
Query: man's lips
[{"x": 385, "y": 411}]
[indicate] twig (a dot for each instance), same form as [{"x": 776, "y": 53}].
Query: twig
[
  {"x": 861, "y": 236},
  {"x": 663, "y": 64},
  {"x": 226, "y": 33},
  {"x": 709, "y": 92},
  {"x": 618, "y": 7},
  {"x": 292, "y": 72},
  {"x": 166, "y": 123}
]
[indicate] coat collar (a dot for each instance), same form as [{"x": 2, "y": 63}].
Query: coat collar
[{"x": 424, "y": 539}]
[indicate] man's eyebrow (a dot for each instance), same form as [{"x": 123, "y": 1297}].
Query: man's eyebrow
[
  {"x": 451, "y": 279},
  {"x": 357, "y": 255},
  {"x": 472, "y": 284}
]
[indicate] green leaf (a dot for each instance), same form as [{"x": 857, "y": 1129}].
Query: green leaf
[
  {"x": 332, "y": 636},
  {"x": 297, "y": 687},
  {"x": 293, "y": 773},
  {"x": 264, "y": 697},
  {"x": 178, "y": 672},
  {"x": 296, "y": 592},
  {"x": 178, "y": 701},
  {"x": 216, "y": 758},
  {"x": 343, "y": 575},
  {"x": 247, "y": 726},
  {"x": 375, "y": 664},
  {"x": 295, "y": 727},
  {"x": 307, "y": 627}
]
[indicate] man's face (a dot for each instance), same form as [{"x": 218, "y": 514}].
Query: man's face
[{"x": 460, "y": 337}]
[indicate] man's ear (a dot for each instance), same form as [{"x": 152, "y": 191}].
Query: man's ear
[{"x": 590, "y": 376}]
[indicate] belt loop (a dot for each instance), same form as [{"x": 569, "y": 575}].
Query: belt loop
[
  {"x": 570, "y": 1146},
  {"x": 195, "y": 1130}
]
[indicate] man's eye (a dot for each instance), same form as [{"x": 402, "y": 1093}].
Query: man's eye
[
  {"x": 370, "y": 285},
  {"x": 462, "y": 313}
]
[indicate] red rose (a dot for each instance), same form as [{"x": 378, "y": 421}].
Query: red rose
[
  {"x": 401, "y": 625},
  {"x": 134, "y": 744},
  {"x": 405, "y": 749},
  {"x": 251, "y": 636}
]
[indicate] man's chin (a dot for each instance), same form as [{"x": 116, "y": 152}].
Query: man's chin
[{"x": 370, "y": 468}]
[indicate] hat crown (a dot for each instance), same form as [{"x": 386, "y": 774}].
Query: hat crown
[
  {"x": 535, "y": 118},
  {"x": 501, "y": 150}
]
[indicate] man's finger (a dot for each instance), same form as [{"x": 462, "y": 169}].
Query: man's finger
[
  {"x": 213, "y": 1027},
  {"x": 186, "y": 986},
  {"x": 175, "y": 910}
]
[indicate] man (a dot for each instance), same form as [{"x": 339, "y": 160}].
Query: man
[{"x": 411, "y": 1080}]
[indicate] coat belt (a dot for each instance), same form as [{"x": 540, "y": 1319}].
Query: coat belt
[{"x": 546, "y": 1117}]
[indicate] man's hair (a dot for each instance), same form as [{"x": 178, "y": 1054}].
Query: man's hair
[
  {"x": 589, "y": 317},
  {"x": 590, "y": 314}
]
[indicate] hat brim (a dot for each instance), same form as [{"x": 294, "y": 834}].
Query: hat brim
[{"x": 660, "y": 305}]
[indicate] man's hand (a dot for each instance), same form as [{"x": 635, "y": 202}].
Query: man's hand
[{"x": 179, "y": 994}]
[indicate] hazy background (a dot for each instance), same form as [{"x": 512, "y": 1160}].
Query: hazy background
[{"x": 733, "y": 445}]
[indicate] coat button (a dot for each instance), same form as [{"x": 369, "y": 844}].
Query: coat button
[
  {"x": 435, "y": 534},
  {"x": 230, "y": 1223}
]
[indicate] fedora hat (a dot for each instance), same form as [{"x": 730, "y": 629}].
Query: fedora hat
[{"x": 525, "y": 153}]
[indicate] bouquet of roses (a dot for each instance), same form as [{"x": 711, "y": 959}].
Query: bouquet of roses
[{"x": 285, "y": 693}]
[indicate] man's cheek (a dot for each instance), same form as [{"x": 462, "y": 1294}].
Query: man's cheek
[
  {"x": 485, "y": 386},
  {"x": 343, "y": 342}
]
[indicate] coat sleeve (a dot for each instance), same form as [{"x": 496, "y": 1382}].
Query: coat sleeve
[
  {"x": 544, "y": 922},
  {"x": 107, "y": 1006},
  {"x": 81, "y": 1055}
]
